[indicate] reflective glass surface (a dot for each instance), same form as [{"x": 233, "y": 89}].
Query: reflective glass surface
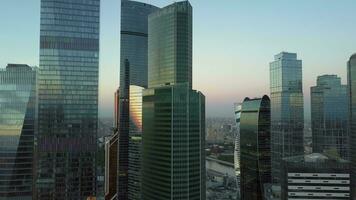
[
  {"x": 351, "y": 79},
  {"x": 173, "y": 143},
  {"x": 170, "y": 45},
  {"x": 329, "y": 115},
  {"x": 17, "y": 130},
  {"x": 287, "y": 109},
  {"x": 68, "y": 99},
  {"x": 255, "y": 147}
]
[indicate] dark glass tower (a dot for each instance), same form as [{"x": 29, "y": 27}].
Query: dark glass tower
[
  {"x": 351, "y": 79},
  {"x": 329, "y": 115},
  {"x": 173, "y": 159},
  {"x": 17, "y": 131},
  {"x": 255, "y": 147},
  {"x": 133, "y": 71},
  {"x": 68, "y": 99},
  {"x": 287, "y": 109}
]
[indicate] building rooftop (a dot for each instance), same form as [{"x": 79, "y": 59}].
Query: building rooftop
[{"x": 315, "y": 158}]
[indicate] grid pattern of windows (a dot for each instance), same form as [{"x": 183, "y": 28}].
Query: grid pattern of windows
[
  {"x": 17, "y": 126},
  {"x": 351, "y": 79},
  {"x": 173, "y": 143},
  {"x": 170, "y": 45},
  {"x": 315, "y": 177},
  {"x": 68, "y": 99},
  {"x": 329, "y": 114},
  {"x": 133, "y": 71},
  {"x": 287, "y": 109}
]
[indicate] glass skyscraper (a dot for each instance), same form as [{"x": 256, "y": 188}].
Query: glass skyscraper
[
  {"x": 68, "y": 99},
  {"x": 329, "y": 115},
  {"x": 287, "y": 114},
  {"x": 133, "y": 71},
  {"x": 17, "y": 131},
  {"x": 351, "y": 79},
  {"x": 173, "y": 155},
  {"x": 255, "y": 147}
]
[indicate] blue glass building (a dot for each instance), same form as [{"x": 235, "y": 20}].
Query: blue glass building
[
  {"x": 329, "y": 116},
  {"x": 17, "y": 131},
  {"x": 68, "y": 99},
  {"x": 287, "y": 109}
]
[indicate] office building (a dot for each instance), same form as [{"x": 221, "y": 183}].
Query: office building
[
  {"x": 68, "y": 99},
  {"x": 351, "y": 80},
  {"x": 17, "y": 131},
  {"x": 133, "y": 71},
  {"x": 111, "y": 167},
  {"x": 255, "y": 147},
  {"x": 237, "y": 108},
  {"x": 287, "y": 110},
  {"x": 135, "y": 143},
  {"x": 315, "y": 176},
  {"x": 173, "y": 154},
  {"x": 329, "y": 115}
]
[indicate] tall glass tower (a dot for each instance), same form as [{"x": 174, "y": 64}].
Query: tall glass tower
[
  {"x": 17, "y": 131},
  {"x": 329, "y": 115},
  {"x": 173, "y": 156},
  {"x": 255, "y": 137},
  {"x": 351, "y": 79},
  {"x": 133, "y": 72},
  {"x": 68, "y": 99},
  {"x": 287, "y": 114}
]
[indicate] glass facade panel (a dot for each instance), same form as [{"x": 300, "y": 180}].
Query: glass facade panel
[
  {"x": 255, "y": 147},
  {"x": 351, "y": 79},
  {"x": 133, "y": 71},
  {"x": 68, "y": 99},
  {"x": 17, "y": 131},
  {"x": 329, "y": 114},
  {"x": 287, "y": 109}
]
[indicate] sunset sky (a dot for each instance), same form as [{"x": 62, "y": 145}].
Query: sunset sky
[{"x": 233, "y": 43}]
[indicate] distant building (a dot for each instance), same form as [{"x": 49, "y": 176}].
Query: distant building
[
  {"x": 117, "y": 108},
  {"x": 315, "y": 176},
  {"x": 255, "y": 147},
  {"x": 351, "y": 79},
  {"x": 287, "y": 109},
  {"x": 329, "y": 115},
  {"x": 111, "y": 147},
  {"x": 17, "y": 131},
  {"x": 237, "y": 109},
  {"x": 173, "y": 139}
]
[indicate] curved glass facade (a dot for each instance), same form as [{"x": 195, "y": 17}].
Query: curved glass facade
[
  {"x": 255, "y": 146},
  {"x": 17, "y": 131},
  {"x": 68, "y": 99}
]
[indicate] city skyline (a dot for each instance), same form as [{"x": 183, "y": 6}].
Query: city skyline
[{"x": 320, "y": 36}]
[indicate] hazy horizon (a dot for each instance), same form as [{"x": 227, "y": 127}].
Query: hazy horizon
[{"x": 233, "y": 44}]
